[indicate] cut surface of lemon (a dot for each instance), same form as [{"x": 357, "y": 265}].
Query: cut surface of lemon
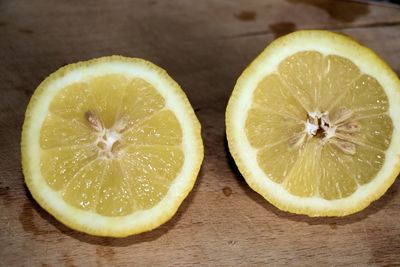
[
  {"x": 313, "y": 124},
  {"x": 110, "y": 146}
]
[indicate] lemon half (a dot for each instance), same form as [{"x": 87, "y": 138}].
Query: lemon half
[
  {"x": 313, "y": 124},
  {"x": 110, "y": 146}
]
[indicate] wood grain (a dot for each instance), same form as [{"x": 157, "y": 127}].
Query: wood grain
[{"x": 204, "y": 45}]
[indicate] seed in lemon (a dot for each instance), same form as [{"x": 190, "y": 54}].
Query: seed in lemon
[
  {"x": 110, "y": 146},
  {"x": 313, "y": 124}
]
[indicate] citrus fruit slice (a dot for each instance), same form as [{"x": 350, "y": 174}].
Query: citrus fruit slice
[
  {"x": 313, "y": 124},
  {"x": 110, "y": 146}
]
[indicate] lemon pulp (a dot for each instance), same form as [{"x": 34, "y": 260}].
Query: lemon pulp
[
  {"x": 110, "y": 145},
  {"x": 320, "y": 127}
]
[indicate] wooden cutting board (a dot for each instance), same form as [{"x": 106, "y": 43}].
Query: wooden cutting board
[{"x": 204, "y": 45}]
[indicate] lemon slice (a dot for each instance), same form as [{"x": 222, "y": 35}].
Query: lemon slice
[
  {"x": 313, "y": 124},
  {"x": 110, "y": 146}
]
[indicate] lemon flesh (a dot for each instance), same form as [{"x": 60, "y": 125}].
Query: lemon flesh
[
  {"x": 111, "y": 146},
  {"x": 284, "y": 103},
  {"x": 317, "y": 127}
]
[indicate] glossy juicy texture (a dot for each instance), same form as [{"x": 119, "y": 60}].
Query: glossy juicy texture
[
  {"x": 309, "y": 82},
  {"x": 144, "y": 136}
]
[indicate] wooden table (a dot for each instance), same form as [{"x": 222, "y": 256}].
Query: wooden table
[{"x": 204, "y": 45}]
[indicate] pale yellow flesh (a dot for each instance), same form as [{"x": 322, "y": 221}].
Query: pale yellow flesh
[
  {"x": 143, "y": 162},
  {"x": 308, "y": 82}
]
